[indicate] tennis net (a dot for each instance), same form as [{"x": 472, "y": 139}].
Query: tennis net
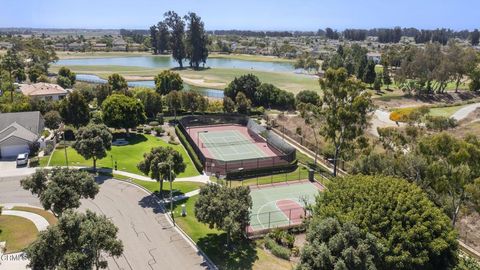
[{"x": 220, "y": 144}]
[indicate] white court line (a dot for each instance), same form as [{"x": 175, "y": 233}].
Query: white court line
[{"x": 278, "y": 209}]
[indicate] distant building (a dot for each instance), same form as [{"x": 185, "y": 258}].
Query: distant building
[
  {"x": 60, "y": 47},
  {"x": 45, "y": 91},
  {"x": 99, "y": 47},
  {"x": 119, "y": 45},
  {"x": 76, "y": 46},
  {"x": 375, "y": 57},
  {"x": 18, "y": 131}
]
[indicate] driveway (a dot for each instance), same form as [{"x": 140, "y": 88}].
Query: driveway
[
  {"x": 8, "y": 165},
  {"x": 150, "y": 241}
]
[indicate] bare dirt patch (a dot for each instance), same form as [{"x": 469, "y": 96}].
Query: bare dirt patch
[{"x": 468, "y": 229}]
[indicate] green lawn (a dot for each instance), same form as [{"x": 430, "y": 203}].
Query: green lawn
[
  {"x": 18, "y": 232},
  {"x": 212, "y": 241},
  {"x": 127, "y": 156},
  {"x": 250, "y": 57},
  {"x": 445, "y": 111},
  {"x": 179, "y": 188},
  {"x": 285, "y": 80}
]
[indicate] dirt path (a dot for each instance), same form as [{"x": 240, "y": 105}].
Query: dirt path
[{"x": 381, "y": 119}]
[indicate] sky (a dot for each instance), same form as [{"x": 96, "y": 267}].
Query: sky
[{"x": 243, "y": 14}]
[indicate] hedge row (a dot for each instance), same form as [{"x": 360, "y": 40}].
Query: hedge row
[
  {"x": 235, "y": 175},
  {"x": 276, "y": 249},
  {"x": 196, "y": 161}
]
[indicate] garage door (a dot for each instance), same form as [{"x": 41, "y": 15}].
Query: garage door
[{"x": 13, "y": 150}]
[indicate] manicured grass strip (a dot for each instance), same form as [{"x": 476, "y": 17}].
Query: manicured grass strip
[
  {"x": 127, "y": 156},
  {"x": 52, "y": 220},
  {"x": 18, "y": 232},
  {"x": 445, "y": 111},
  {"x": 179, "y": 188},
  {"x": 245, "y": 255},
  {"x": 285, "y": 80}
]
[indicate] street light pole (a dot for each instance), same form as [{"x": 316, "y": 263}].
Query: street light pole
[{"x": 171, "y": 193}]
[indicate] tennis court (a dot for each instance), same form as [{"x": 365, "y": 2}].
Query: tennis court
[
  {"x": 280, "y": 206},
  {"x": 230, "y": 145}
]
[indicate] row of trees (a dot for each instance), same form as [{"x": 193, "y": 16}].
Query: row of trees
[
  {"x": 447, "y": 168},
  {"x": 258, "y": 93},
  {"x": 394, "y": 35},
  {"x": 14, "y": 68},
  {"x": 354, "y": 60},
  {"x": 170, "y": 35},
  {"x": 433, "y": 67},
  {"x": 307, "y": 62}
]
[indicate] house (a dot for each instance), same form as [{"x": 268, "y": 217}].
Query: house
[
  {"x": 119, "y": 45},
  {"x": 375, "y": 57},
  {"x": 18, "y": 131},
  {"x": 99, "y": 47},
  {"x": 76, "y": 46},
  {"x": 45, "y": 91}
]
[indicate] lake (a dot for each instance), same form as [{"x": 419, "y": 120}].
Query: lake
[
  {"x": 168, "y": 62},
  {"x": 208, "y": 92}
]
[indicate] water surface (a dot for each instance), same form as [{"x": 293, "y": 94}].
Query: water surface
[{"x": 168, "y": 62}]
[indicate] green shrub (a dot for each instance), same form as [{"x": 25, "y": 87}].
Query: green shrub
[
  {"x": 153, "y": 124},
  {"x": 440, "y": 123},
  {"x": 282, "y": 237},
  {"x": 45, "y": 133},
  {"x": 196, "y": 161},
  {"x": 276, "y": 249},
  {"x": 34, "y": 162},
  {"x": 285, "y": 168},
  {"x": 408, "y": 114},
  {"x": 147, "y": 130},
  {"x": 159, "y": 118}
]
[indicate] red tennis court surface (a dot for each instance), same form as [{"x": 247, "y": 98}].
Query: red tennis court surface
[{"x": 292, "y": 210}]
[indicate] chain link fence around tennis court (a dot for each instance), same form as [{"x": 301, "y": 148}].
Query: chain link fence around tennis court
[
  {"x": 262, "y": 223},
  {"x": 285, "y": 153}
]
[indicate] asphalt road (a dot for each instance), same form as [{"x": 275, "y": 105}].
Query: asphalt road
[
  {"x": 12, "y": 192},
  {"x": 150, "y": 241}
]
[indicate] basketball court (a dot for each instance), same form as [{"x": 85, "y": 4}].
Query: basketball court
[{"x": 281, "y": 205}]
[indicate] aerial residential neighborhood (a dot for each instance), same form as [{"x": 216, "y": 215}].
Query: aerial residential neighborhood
[{"x": 258, "y": 135}]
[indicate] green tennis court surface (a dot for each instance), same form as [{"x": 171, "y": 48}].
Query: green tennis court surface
[
  {"x": 230, "y": 145},
  {"x": 280, "y": 206}
]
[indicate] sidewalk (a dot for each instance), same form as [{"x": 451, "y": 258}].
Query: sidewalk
[{"x": 14, "y": 261}]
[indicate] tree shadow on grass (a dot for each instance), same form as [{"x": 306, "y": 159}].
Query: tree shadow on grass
[
  {"x": 241, "y": 255},
  {"x": 134, "y": 138}
]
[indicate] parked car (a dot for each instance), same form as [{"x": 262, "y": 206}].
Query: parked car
[{"x": 22, "y": 159}]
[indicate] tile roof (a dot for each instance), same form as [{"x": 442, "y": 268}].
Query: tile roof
[{"x": 42, "y": 89}]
